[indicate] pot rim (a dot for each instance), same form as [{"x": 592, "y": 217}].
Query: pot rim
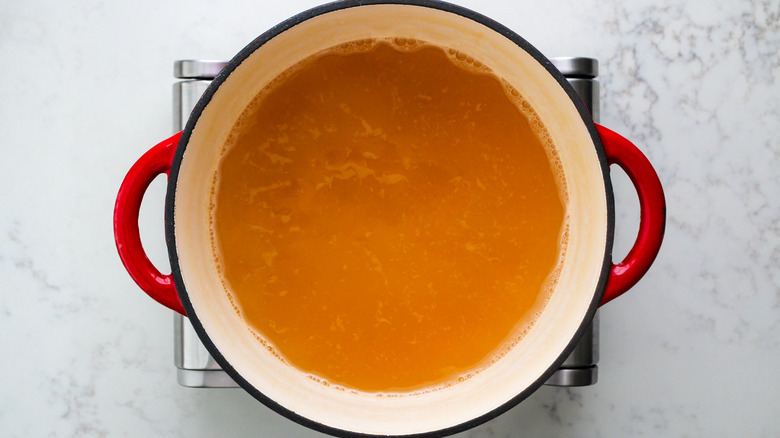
[{"x": 251, "y": 48}]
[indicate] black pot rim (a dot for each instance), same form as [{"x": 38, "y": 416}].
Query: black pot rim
[{"x": 245, "y": 53}]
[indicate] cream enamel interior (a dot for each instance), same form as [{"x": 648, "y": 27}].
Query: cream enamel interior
[{"x": 368, "y": 413}]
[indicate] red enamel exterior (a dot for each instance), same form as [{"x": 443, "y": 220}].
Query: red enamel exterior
[
  {"x": 614, "y": 279},
  {"x": 128, "y": 240},
  {"x": 652, "y": 216},
  {"x": 617, "y": 149}
]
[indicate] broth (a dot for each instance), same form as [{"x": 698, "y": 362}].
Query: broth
[{"x": 386, "y": 216}]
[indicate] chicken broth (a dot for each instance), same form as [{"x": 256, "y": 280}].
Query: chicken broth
[{"x": 388, "y": 216}]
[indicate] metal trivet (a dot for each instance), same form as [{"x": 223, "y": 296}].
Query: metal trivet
[{"x": 195, "y": 366}]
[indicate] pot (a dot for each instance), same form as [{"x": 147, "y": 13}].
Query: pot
[{"x": 587, "y": 279}]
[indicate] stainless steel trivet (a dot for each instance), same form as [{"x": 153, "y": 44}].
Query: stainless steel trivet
[{"x": 195, "y": 366}]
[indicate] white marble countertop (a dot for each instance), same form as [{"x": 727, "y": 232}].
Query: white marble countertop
[{"x": 691, "y": 351}]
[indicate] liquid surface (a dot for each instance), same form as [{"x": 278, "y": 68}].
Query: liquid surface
[{"x": 386, "y": 219}]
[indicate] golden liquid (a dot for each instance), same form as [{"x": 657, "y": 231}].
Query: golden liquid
[{"x": 386, "y": 218}]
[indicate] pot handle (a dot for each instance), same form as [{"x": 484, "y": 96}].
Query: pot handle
[
  {"x": 128, "y": 239},
  {"x": 652, "y": 204}
]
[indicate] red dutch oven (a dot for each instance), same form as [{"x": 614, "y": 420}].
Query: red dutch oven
[{"x": 588, "y": 277}]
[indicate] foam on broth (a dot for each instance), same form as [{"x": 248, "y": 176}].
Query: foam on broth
[{"x": 350, "y": 173}]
